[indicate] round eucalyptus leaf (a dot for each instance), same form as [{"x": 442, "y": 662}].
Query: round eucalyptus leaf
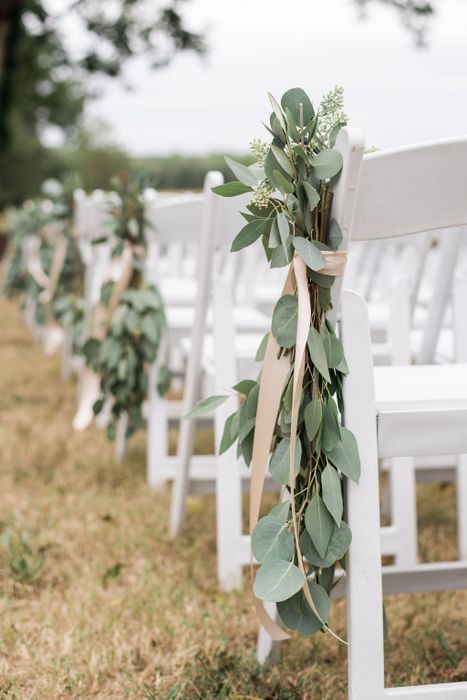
[
  {"x": 271, "y": 540},
  {"x": 281, "y": 511},
  {"x": 292, "y": 99},
  {"x": 277, "y": 580},
  {"x": 310, "y": 253},
  {"x": 341, "y": 537},
  {"x": 284, "y": 321},
  {"x": 327, "y": 164},
  {"x": 297, "y": 614}
]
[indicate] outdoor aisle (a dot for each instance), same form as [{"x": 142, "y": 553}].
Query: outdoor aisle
[{"x": 102, "y": 604}]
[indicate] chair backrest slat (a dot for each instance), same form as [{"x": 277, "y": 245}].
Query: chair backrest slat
[{"x": 412, "y": 189}]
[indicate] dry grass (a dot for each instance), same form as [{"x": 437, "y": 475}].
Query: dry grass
[{"x": 117, "y": 611}]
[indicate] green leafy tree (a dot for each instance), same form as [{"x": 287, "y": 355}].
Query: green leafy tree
[{"x": 43, "y": 83}]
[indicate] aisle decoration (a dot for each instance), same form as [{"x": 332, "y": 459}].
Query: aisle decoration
[
  {"x": 44, "y": 268},
  {"x": 292, "y": 414},
  {"x": 129, "y": 322}
]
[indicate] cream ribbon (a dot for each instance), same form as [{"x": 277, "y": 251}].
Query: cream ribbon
[
  {"x": 276, "y": 366},
  {"x": 58, "y": 261},
  {"x": 90, "y": 383}
]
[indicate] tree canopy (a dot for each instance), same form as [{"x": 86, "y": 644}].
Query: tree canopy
[{"x": 42, "y": 81}]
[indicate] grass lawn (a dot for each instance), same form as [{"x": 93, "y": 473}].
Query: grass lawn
[{"x": 96, "y": 602}]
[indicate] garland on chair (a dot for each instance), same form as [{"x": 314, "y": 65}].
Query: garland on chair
[
  {"x": 37, "y": 229},
  {"x": 302, "y": 541},
  {"x": 131, "y": 335}
]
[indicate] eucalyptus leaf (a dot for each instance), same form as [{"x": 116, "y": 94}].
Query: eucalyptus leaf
[
  {"x": 281, "y": 257},
  {"x": 318, "y": 523},
  {"x": 342, "y": 366},
  {"x": 245, "y": 386},
  {"x": 282, "y": 159},
  {"x": 274, "y": 235},
  {"x": 292, "y": 99},
  {"x": 331, "y": 434},
  {"x": 326, "y": 164},
  {"x": 206, "y": 406},
  {"x": 318, "y": 354},
  {"x": 248, "y": 235},
  {"x": 313, "y": 416},
  {"x": 284, "y": 184},
  {"x": 334, "y": 235},
  {"x": 281, "y": 511},
  {"x": 242, "y": 172},
  {"x": 284, "y": 321},
  {"x": 261, "y": 351},
  {"x": 312, "y": 256},
  {"x": 341, "y": 537},
  {"x": 279, "y": 465},
  {"x": 231, "y": 189},
  {"x": 345, "y": 455},
  {"x": 229, "y": 434},
  {"x": 251, "y": 402},
  {"x": 296, "y": 613},
  {"x": 271, "y": 540},
  {"x": 332, "y": 347},
  {"x": 284, "y": 230},
  {"x": 332, "y": 493},
  {"x": 312, "y": 195},
  {"x": 277, "y": 580},
  {"x": 277, "y": 111},
  {"x": 150, "y": 329}
]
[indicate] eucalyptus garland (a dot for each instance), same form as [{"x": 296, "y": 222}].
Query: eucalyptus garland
[
  {"x": 290, "y": 212},
  {"x": 45, "y": 219},
  {"x": 133, "y": 332},
  {"x": 24, "y": 221}
]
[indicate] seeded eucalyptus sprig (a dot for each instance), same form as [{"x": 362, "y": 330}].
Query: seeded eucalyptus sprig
[{"x": 291, "y": 184}]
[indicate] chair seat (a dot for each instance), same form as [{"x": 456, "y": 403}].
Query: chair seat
[
  {"x": 178, "y": 291},
  {"x": 181, "y": 318},
  {"x": 421, "y": 410}
]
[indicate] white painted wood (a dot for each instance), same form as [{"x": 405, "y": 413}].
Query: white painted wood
[
  {"x": 405, "y": 190},
  {"x": 441, "y": 291},
  {"x": 364, "y": 585},
  {"x": 407, "y": 418},
  {"x": 229, "y": 522}
]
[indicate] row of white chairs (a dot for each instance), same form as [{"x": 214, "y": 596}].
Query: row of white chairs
[{"x": 408, "y": 398}]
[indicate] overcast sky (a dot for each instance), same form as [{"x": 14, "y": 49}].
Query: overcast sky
[{"x": 394, "y": 91}]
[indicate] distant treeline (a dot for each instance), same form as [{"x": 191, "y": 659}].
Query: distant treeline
[{"x": 21, "y": 174}]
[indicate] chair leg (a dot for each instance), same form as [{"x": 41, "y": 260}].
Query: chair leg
[
  {"x": 267, "y": 651},
  {"x": 228, "y": 523},
  {"x": 181, "y": 482},
  {"x": 364, "y": 582}
]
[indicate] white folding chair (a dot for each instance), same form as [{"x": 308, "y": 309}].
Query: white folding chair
[
  {"x": 209, "y": 222},
  {"x": 398, "y": 411}
]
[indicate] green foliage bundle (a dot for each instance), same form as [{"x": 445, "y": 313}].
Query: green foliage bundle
[
  {"x": 291, "y": 182},
  {"x": 135, "y": 328},
  {"x": 45, "y": 219}
]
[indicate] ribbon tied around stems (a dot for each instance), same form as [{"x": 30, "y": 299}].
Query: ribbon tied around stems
[
  {"x": 275, "y": 369},
  {"x": 120, "y": 273}
]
